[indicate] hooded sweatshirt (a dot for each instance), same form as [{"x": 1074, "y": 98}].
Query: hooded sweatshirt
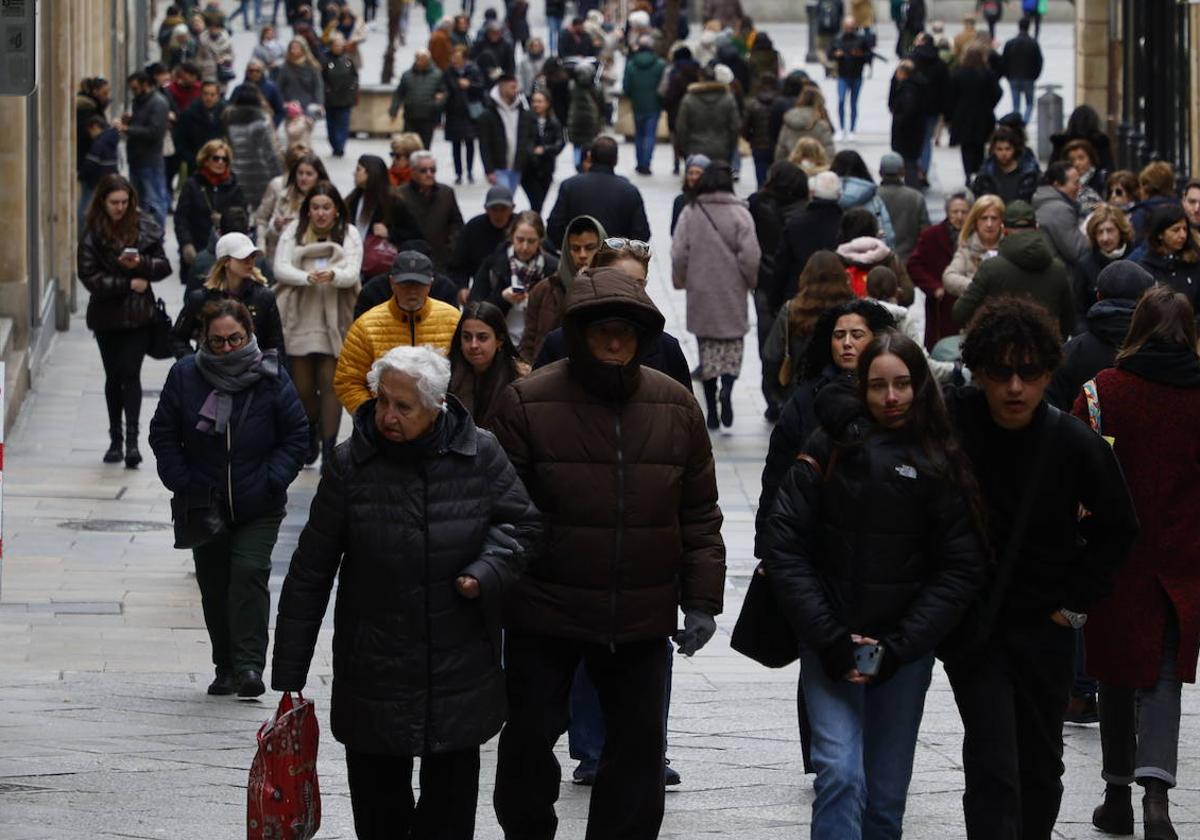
[
  {"x": 1091, "y": 351},
  {"x": 1026, "y": 268},
  {"x": 544, "y": 307}
]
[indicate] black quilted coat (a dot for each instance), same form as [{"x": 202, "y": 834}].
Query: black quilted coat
[
  {"x": 416, "y": 666},
  {"x": 113, "y": 305}
]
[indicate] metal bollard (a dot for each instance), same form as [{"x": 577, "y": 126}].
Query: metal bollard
[
  {"x": 811, "y": 57},
  {"x": 1050, "y": 119}
]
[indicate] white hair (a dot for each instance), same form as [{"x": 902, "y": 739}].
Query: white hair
[
  {"x": 420, "y": 155},
  {"x": 427, "y": 367}
]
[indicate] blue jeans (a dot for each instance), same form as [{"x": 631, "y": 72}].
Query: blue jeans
[
  {"x": 85, "y": 199},
  {"x": 510, "y": 178},
  {"x": 553, "y": 25},
  {"x": 863, "y": 740},
  {"x": 150, "y": 182},
  {"x": 852, "y": 87},
  {"x": 644, "y": 128},
  {"x": 578, "y": 152},
  {"x": 337, "y": 122},
  {"x": 926, "y": 158},
  {"x": 763, "y": 158},
  {"x": 1023, "y": 88}
]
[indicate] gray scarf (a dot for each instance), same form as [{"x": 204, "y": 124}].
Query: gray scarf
[{"x": 229, "y": 374}]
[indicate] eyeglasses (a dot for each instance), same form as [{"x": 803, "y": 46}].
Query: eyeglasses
[
  {"x": 216, "y": 342},
  {"x": 218, "y": 159},
  {"x": 636, "y": 247},
  {"x": 1004, "y": 373}
]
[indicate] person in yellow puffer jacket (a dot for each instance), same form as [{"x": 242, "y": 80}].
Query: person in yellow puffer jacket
[{"x": 410, "y": 317}]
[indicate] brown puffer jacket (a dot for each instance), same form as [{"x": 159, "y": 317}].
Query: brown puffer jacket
[{"x": 619, "y": 461}]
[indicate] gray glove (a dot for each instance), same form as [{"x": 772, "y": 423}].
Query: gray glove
[
  {"x": 500, "y": 542},
  {"x": 698, "y": 628}
]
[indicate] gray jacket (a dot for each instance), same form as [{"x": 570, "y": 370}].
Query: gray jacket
[
  {"x": 417, "y": 92},
  {"x": 1059, "y": 217},
  {"x": 147, "y": 127},
  {"x": 910, "y": 215},
  {"x": 708, "y": 121}
]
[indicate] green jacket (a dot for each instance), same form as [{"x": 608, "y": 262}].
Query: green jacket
[
  {"x": 416, "y": 93},
  {"x": 708, "y": 122},
  {"x": 642, "y": 74}
]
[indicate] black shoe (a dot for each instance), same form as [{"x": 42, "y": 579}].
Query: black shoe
[
  {"x": 1082, "y": 710},
  {"x": 670, "y": 775},
  {"x": 223, "y": 685},
  {"x": 710, "y": 403},
  {"x": 457, "y": 180},
  {"x": 771, "y": 415},
  {"x": 585, "y": 773},
  {"x": 1156, "y": 816},
  {"x": 1115, "y": 814},
  {"x": 250, "y": 684},
  {"x": 132, "y": 456},
  {"x": 116, "y": 450},
  {"x": 727, "y": 401},
  {"x": 314, "y": 443}
]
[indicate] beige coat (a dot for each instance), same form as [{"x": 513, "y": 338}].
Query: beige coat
[
  {"x": 315, "y": 318},
  {"x": 958, "y": 275}
]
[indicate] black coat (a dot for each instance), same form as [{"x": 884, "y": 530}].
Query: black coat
[
  {"x": 769, "y": 220},
  {"x": 880, "y": 544},
  {"x": 257, "y": 298},
  {"x": 1086, "y": 273},
  {"x": 549, "y": 135},
  {"x": 609, "y": 198},
  {"x": 1022, "y": 58},
  {"x": 259, "y": 458},
  {"x": 493, "y": 142},
  {"x": 971, "y": 105},
  {"x": 933, "y": 77},
  {"x": 1183, "y": 277},
  {"x": 416, "y": 666},
  {"x": 488, "y": 54},
  {"x": 1092, "y": 351},
  {"x": 815, "y": 228},
  {"x": 479, "y": 240},
  {"x": 341, "y": 81},
  {"x": 908, "y": 118},
  {"x": 199, "y": 201},
  {"x": 494, "y": 277},
  {"x": 195, "y": 127},
  {"x": 112, "y": 305},
  {"x": 459, "y": 125}
]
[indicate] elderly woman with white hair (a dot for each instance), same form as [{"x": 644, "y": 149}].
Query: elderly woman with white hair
[{"x": 425, "y": 523}]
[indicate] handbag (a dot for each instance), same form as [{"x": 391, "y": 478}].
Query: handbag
[
  {"x": 160, "y": 332},
  {"x": 785, "y": 368},
  {"x": 283, "y": 795},
  {"x": 378, "y": 254}
]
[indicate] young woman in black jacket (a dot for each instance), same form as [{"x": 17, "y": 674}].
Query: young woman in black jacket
[
  {"x": 548, "y": 142},
  {"x": 120, "y": 254},
  {"x": 873, "y": 552},
  {"x": 1171, "y": 254},
  {"x": 372, "y": 208}
]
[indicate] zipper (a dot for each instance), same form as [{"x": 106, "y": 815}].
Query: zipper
[
  {"x": 616, "y": 558},
  {"x": 229, "y": 468},
  {"x": 428, "y": 623},
  {"x": 412, "y": 329}
]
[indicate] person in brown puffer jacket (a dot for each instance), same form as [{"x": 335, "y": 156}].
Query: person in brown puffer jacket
[{"x": 623, "y": 555}]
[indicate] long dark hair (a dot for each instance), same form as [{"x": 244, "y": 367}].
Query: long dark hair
[
  {"x": 338, "y": 232},
  {"x": 849, "y": 164},
  {"x": 376, "y": 193},
  {"x": 786, "y": 182},
  {"x": 483, "y": 389},
  {"x": 1162, "y": 315},
  {"x": 819, "y": 354},
  {"x": 490, "y": 314},
  {"x": 1161, "y": 218},
  {"x": 313, "y": 161},
  {"x": 125, "y": 232},
  {"x": 717, "y": 177},
  {"x": 927, "y": 422}
]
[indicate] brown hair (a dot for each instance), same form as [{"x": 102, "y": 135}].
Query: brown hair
[
  {"x": 323, "y": 188},
  {"x": 1162, "y": 314},
  {"x": 823, "y": 284},
  {"x": 882, "y": 283},
  {"x": 125, "y": 232},
  {"x": 211, "y": 148},
  {"x": 811, "y": 97},
  {"x": 1081, "y": 145},
  {"x": 1157, "y": 178},
  {"x": 226, "y": 307},
  {"x": 1107, "y": 213},
  {"x": 811, "y": 149},
  {"x": 1124, "y": 179},
  {"x": 527, "y": 217}
]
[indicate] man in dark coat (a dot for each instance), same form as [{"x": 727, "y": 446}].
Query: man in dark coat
[
  {"x": 815, "y": 228},
  {"x": 643, "y": 541},
  {"x": 481, "y": 236},
  {"x": 601, "y": 193},
  {"x": 423, "y": 521},
  {"x": 434, "y": 206},
  {"x": 506, "y": 131},
  {"x": 905, "y": 204},
  {"x": 574, "y": 41},
  {"x": 494, "y": 55},
  {"x": 200, "y": 122},
  {"x": 908, "y": 122},
  {"x": 1022, "y": 65},
  {"x": 145, "y": 128}
]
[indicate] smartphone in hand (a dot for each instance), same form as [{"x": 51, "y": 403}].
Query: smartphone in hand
[{"x": 867, "y": 659}]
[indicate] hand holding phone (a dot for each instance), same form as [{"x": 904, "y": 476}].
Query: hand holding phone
[{"x": 867, "y": 659}]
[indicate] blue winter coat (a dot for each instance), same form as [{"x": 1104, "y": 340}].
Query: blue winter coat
[{"x": 268, "y": 448}]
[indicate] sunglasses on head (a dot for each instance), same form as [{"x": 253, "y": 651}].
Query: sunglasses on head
[
  {"x": 636, "y": 247},
  {"x": 1028, "y": 372}
]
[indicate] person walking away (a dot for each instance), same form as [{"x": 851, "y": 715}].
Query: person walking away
[
  {"x": 829, "y": 21},
  {"x": 935, "y": 248},
  {"x": 434, "y": 206},
  {"x": 933, "y": 77},
  {"x": 908, "y": 120},
  {"x": 463, "y": 105},
  {"x": 420, "y": 94},
  {"x": 715, "y": 256},
  {"x": 340, "y": 76},
  {"x": 252, "y": 144},
  {"x": 859, "y": 190},
  {"x": 974, "y": 92},
  {"x": 1012, "y": 663},
  {"x": 756, "y": 127},
  {"x": 102, "y": 155},
  {"x": 585, "y": 113},
  {"x": 993, "y": 12},
  {"x": 547, "y": 144},
  {"x": 643, "y": 72},
  {"x": 556, "y": 10},
  {"x": 850, "y": 51},
  {"x": 807, "y": 118},
  {"x": 693, "y": 168},
  {"x": 867, "y": 650},
  {"x": 1022, "y": 60},
  {"x": 708, "y": 122},
  {"x": 505, "y": 134},
  {"x": 144, "y": 128},
  {"x": 483, "y": 360},
  {"x": 913, "y": 26},
  {"x": 1034, "y": 10},
  {"x": 814, "y": 228},
  {"x": 120, "y": 254},
  {"x": 457, "y": 528},
  {"x": 614, "y": 202},
  {"x": 229, "y": 432},
  {"x": 906, "y": 206}
]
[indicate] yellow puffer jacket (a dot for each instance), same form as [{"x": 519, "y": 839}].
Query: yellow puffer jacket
[{"x": 380, "y": 329}]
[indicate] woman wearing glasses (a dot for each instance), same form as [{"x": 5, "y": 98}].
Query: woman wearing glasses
[
  {"x": 230, "y": 432},
  {"x": 206, "y": 195}
]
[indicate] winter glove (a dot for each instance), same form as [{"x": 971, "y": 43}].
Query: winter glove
[
  {"x": 698, "y": 628},
  {"x": 500, "y": 542},
  {"x": 188, "y": 252}
]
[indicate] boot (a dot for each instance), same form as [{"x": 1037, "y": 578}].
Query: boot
[
  {"x": 710, "y": 401},
  {"x": 132, "y": 456},
  {"x": 1115, "y": 814},
  {"x": 727, "y": 399},
  {"x": 115, "y": 441},
  {"x": 314, "y": 443},
  {"x": 1156, "y": 819}
]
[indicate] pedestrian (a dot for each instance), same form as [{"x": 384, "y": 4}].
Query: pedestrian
[
  {"x": 1191, "y": 203},
  {"x": 543, "y": 317},
  {"x": 494, "y": 53},
  {"x": 1058, "y": 213},
  {"x": 815, "y": 228},
  {"x": 505, "y": 134},
  {"x": 756, "y": 127},
  {"x": 214, "y": 51},
  {"x": 441, "y": 45},
  {"x": 483, "y": 361},
  {"x": 601, "y": 193},
  {"x": 585, "y": 111},
  {"x": 352, "y": 29},
  {"x": 144, "y": 128},
  {"x": 714, "y": 256},
  {"x": 993, "y": 12},
  {"x": 200, "y": 122},
  {"x": 643, "y": 73},
  {"x": 905, "y": 102},
  {"x": 256, "y": 75},
  {"x": 610, "y": 323},
  {"x": 1011, "y": 663},
  {"x": 933, "y": 79},
  {"x": 434, "y": 206},
  {"x": 936, "y": 247},
  {"x": 317, "y": 267},
  {"x": 973, "y": 94},
  {"x": 1172, "y": 255},
  {"x": 516, "y": 19},
  {"x": 1121, "y": 190},
  {"x": 693, "y": 168},
  {"x": 1010, "y": 171},
  {"x": 228, "y": 436},
  {"x": 234, "y": 275},
  {"x": 829, "y": 17},
  {"x": 399, "y": 12},
  {"x": 409, "y": 317},
  {"x": 373, "y": 210},
  {"x": 282, "y": 198},
  {"x": 402, "y": 145},
  {"x": 509, "y": 276},
  {"x": 252, "y": 148},
  {"x": 1084, "y": 160},
  {"x": 421, "y": 95},
  {"x": 463, "y": 106},
  {"x": 269, "y": 51},
  {"x": 460, "y": 33},
  {"x": 1117, "y": 290},
  {"x": 575, "y": 42},
  {"x": 456, "y": 528},
  {"x": 1156, "y": 187},
  {"x": 482, "y": 236},
  {"x": 979, "y": 240},
  {"x": 862, "y": 249},
  {"x": 340, "y": 78},
  {"x": 171, "y": 18},
  {"x": 1109, "y": 236},
  {"x": 1024, "y": 266},
  {"x": 120, "y": 254},
  {"x": 870, "y": 612},
  {"x": 859, "y": 190},
  {"x": 708, "y": 122},
  {"x": 102, "y": 154},
  {"x": 92, "y": 99},
  {"x": 914, "y": 25},
  {"x": 1022, "y": 59},
  {"x": 1084, "y": 124},
  {"x": 850, "y": 51},
  {"x": 1146, "y": 404},
  {"x": 300, "y": 79},
  {"x": 556, "y": 10},
  {"x": 809, "y": 155},
  {"x": 211, "y": 191},
  {"x": 682, "y": 73},
  {"x": 905, "y": 205},
  {"x": 547, "y": 143}
]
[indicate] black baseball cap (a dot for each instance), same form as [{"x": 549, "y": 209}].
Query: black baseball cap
[{"x": 412, "y": 267}]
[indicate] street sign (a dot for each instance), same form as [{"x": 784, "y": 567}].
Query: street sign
[{"x": 18, "y": 48}]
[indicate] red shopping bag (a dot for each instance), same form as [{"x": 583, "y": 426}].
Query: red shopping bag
[
  {"x": 283, "y": 796},
  {"x": 378, "y": 254}
]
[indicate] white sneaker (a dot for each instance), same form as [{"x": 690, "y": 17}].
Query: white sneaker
[
  {"x": 851, "y": 137},
  {"x": 840, "y": 136}
]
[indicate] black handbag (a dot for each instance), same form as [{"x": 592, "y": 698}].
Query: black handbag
[
  {"x": 199, "y": 517},
  {"x": 160, "y": 332},
  {"x": 762, "y": 631}
]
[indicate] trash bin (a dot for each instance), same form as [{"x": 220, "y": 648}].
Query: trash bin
[{"x": 1050, "y": 119}]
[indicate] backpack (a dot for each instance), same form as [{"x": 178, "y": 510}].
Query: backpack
[{"x": 828, "y": 17}]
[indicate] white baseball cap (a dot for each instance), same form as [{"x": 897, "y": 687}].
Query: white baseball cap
[{"x": 236, "y": 245}]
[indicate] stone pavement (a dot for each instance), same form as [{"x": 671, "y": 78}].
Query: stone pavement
[{"x": 105, "y": 731}]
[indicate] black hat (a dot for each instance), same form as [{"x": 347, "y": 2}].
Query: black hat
[
  {"x": 412, "y": 267},
  {"x": 1124, "y": 280}
]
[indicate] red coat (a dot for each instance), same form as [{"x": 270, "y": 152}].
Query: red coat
[
  {"x": 932, "y": 254},
  {"x": 1157, "y": 441}
]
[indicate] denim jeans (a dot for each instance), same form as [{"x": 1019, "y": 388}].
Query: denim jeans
[
  {"x": 510, "y": 178},
  {"x": 1023, "y": 88},
  {"x": 863, "y": 741},
  {"x": 926, "y": 158},
  {"x": 85, "y": 199},
  {"x": 337, "y": 122},
  {"x": 553, "y": 25},
  {"x": 150, "y": 182},
  {"x": 763, "y": 158},
  {"x": 851, "y": 87},
  {"x": 644, "y": 127},
  {"x": 578, "y": 153}
]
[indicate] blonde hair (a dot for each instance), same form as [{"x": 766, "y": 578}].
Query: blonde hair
[
  {"x": 306, "y": 58},
  {"x": 981, "y": 206},
  {"x": 810, "y": 149},
  {"x": 211, "y": 148},
  {"x": 1107, "y": 213},
  {"x": 216, "y": 277},
  {"x": 811, "y": 97},
  {"x": 407, "y": 143}
]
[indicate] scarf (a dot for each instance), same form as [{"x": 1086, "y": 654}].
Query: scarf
[
  {"x": 1115, "y": 255},
  {"x": 527, "y": 273},
  {"x": 400, "y": 175},
  {"x": 1166, "y": 364},
  {"x": 213, "y": 178},
  {"x": 230, "y": 374}
]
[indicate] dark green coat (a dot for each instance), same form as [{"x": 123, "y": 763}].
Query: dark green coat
[{"x": 642, "y": 74}]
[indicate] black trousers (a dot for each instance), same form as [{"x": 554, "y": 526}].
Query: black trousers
[
  {"x": 972, "y": 158},
  {"x": 1011, "y": 697},
  {"x": 536, "y": 186},
  {"x": 424, "y": 128},
  {"x": 630, "y": 680},
  {"x": 122, "y": 353},
  {"x": 381, "y": 796}
]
